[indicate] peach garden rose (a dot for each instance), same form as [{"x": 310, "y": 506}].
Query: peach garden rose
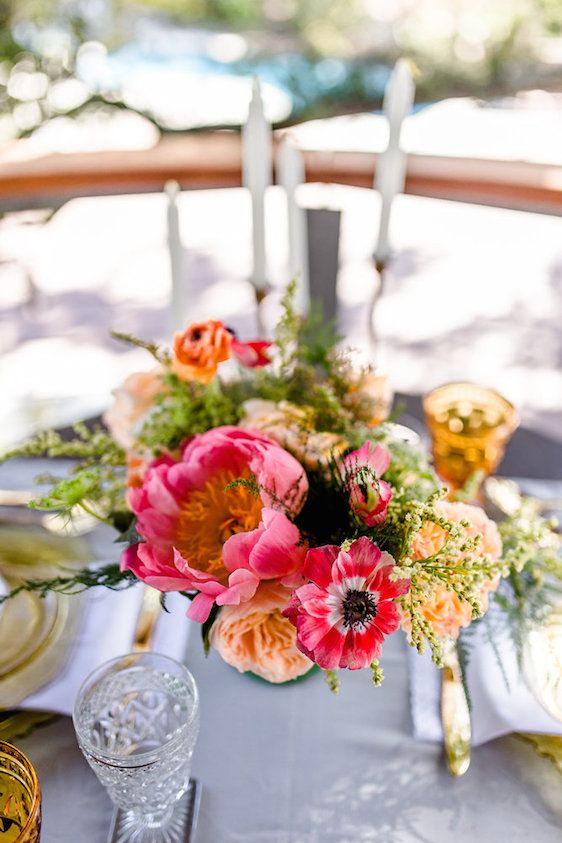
[
  {"x": 134, "y": 399},
  {"x": 443, "y": 609},
  {"x": 255, "y": 636},
  {"x": 370, "y": 395}
]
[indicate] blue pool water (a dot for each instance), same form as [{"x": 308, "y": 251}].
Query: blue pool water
[{"x": 188, "y": 78}]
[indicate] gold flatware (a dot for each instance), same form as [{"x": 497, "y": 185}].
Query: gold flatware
[
  {"x": 150, "y": 610},
  {"x": 455, "y": 713}
]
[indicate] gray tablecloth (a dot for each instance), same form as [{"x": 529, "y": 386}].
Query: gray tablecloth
[{"x": 299, "y": 765}]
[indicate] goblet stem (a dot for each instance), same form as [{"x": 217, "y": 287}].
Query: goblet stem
[
  {"x": 167, "y": 826},
  {"x": 154, "y": 820}
]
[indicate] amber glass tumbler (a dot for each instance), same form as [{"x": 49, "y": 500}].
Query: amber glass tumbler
[
  {"x": 20, "y": 798},
  {"x": 470, "y": 426}
]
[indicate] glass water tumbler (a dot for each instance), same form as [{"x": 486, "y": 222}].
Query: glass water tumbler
[
  {"x": 137, "y": 720},
  {"x": 20, "y": 798},
  {"x": 470, "y": 426}
]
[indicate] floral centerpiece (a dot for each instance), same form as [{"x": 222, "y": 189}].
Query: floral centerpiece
[{"x": 300, "y": 528}]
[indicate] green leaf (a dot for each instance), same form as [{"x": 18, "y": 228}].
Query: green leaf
[
  {"x": 317, "y": 338},
  {"x": 129, "y": 535},
  {"x": 122, "y": 519},
  {"x": 206, "y": 628},
  {"x": 464, "y": 651}
]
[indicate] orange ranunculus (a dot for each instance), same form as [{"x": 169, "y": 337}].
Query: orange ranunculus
[
  {"x": 199, "y": 350},
  {"x": 255, "y": 636}
]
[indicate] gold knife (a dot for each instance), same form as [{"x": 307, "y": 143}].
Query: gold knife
[
  {"x": 455, "y": 713},
  {"x": 148, "y": 617}
]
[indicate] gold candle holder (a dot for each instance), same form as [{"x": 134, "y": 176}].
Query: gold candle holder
[
  {"x": 470, "y": 426},
  {"x": 20, "y": 797}
]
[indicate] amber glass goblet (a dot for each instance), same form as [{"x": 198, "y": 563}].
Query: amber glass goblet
[
  {"x": 20, "y": 798},
  {"x": 470, "y": 426}
]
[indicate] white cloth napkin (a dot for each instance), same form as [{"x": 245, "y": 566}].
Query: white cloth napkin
[
  {"x": 108, "y": 619},
  {"x": 107, "y": 630},
  {"x": 498, "y": 707}
]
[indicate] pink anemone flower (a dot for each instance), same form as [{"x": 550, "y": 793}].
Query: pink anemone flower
[
  {"x": 343, "y": 614},
  {"x": 188, "y": 509}
]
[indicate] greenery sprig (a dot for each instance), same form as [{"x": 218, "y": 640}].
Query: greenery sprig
[
  {"x": 108, "y": 576},
  {"x": 96, "y": 481},
  {"x": 160, "y": 355}
]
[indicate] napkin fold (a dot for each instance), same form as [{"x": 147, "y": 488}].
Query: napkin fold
[
  {"x": 501, "y": 699},
  {"x": 106, "y": 630}
]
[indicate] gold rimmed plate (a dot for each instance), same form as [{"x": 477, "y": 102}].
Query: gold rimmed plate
[{"x": 35, "y": 633}]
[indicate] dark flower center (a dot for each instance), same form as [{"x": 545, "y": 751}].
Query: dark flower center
[
  {"x": 196, "y": 335},
  {"x": 359, "y": 607}
]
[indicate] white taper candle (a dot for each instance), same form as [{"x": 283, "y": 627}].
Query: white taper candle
[
  {"x": 256, "y": 176},
  {"x": 391, "y": 166},
  {"x": 290, "y": 174},
  {"x": 178, "y": 296}
]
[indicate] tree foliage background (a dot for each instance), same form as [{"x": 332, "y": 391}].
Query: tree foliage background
[{"x": 457, "y": 47}]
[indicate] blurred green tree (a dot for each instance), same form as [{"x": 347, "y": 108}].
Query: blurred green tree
[{"x": 457, "y": 47}]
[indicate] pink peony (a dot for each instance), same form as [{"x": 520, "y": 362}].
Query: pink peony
[
  {"x": 369, "y": 496},
  {"x": 187, "y": 516},
  {"x": 271, "y": 551},
  {"x": 343, "y": 614}
]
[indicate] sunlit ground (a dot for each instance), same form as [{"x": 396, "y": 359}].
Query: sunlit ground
[{"x": 471, "y": 293}]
